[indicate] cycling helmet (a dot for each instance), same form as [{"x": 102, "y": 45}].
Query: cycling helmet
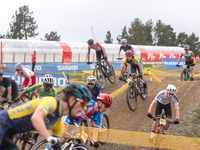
[
  {"x": 91, "y": 79},
  {"x": 77, "y": 89},
  {"x": 1, "y": 72},
  {"x": 123, "y": 41},
  {"x": 90, "y": 41},
  {"x": 105, "y": 98},
  {"x": 186, "y": 47},
  {"x": 171, "y": 89},
  {"x": 128, "y": 53},
  {"x": 48, "y": 79},
  {"x": 18, "y": 66}
]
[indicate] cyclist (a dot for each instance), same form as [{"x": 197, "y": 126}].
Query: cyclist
[
  {"x": 163, "y": 101},
  {"x": 135, "y": 64},
  {"x": 99, "y": 51},
  {"x": 125, "y": 46},
  {"x": 189, "y": 60},
  {"x": 94, "y": 110},
  {"x": 27, "y": 74},
  {"x": 94, "y": 87},
  {"x": 44, "y": 89},
  {"x": 40, "y": 114},
  {"x": 11, "y": 89}
]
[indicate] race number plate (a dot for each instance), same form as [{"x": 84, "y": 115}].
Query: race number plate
[
  {"x": 84, "y": 136},
  {"x": 162, "y": 121}
]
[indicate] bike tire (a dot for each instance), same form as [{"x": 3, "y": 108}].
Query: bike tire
[
  {"x": 183, "y": 75},
  {"x": 79, "y": 147},
  {"x": 143, "y": 94},
  {"x": 41, "y": 144},
  {"x": 159, "y": 133},
  {"x": 100, "y": 77},
  {"x": 111, "y": 77},
  {"x": 105, "y": 125},
  {"x": 131, "y": 98}
]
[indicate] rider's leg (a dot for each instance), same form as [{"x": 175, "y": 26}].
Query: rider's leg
[
  {"x": 108, "y": 63},
  {"x": 192, "y": 73},
  {"x": 168, "y": 112}
]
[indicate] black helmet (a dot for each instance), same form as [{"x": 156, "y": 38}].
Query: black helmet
[
  {"x": 77, "y": 89},
  {"x": 1, "y": 72},
  {"x": 90, "y": 41}
]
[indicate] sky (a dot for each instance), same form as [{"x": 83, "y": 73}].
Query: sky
[{"x": 73, "y": 19}]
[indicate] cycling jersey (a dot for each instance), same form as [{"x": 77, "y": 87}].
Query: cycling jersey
[
  {"x": 134, "y": 60},
  {"x": 7, "y": 82},
  {"x": 18, "y": 118},
  {"x": 42, "y": 92},
  {"x": 87, "y": 113},
  {"x": 97, "y": 46},
  {"x": 127, "y": 47},
  {"x": 26, "y": 72},
  {"x": 95, "y": 91},
  {"x": 163, "y": 99},
  {"x": 188, "y": 57}
]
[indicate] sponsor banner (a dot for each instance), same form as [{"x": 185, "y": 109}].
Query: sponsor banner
[
  {"x": 59, "y": 67},
  {"x": 59, "y": 79},
  {"x": 171, "y": 63},
  {"x": 156, "y": 56}
]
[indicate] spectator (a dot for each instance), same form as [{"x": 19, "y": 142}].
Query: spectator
[{"x": 33, "y": 60}]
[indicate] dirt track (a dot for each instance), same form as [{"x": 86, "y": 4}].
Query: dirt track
[{"x": 122, "y": 118}]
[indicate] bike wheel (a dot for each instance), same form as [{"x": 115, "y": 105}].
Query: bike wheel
[
  {"x": 143, "y": 93},
  {"x": 105, "y": 124},
  {"x": 79, "y": 147},
  {"x": 183, "y": 75},
  {"x": 100, "y": 77},
  {"x": 131, "y": 98},
  {"x": 158, "y": 138},
  {"x": 111, "y": 76},
  {"x": 42, "y": 144}
]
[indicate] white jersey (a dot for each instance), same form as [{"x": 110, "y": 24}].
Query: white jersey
[
  {"x": 163, "y": 99},
  {"x": 26, "y": 72}
]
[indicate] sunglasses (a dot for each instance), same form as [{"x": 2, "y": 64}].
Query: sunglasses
[
  {"x": 48, "y": 85},
  {"x": 171, "y": 93},
  {"x": 83, "y": 103},
  {"x": 90, "y": 83},
  {"x": 106, "y": 105},
  {"x": 17, "y": 69}
]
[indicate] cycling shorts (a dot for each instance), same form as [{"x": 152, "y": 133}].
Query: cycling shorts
[
  {"x": 25, "y": 82},
  {"x": 189, "y": 63},
  {"x": 99, "y": 54},
  {"x": 6, "y": 132},
  {"x": 167, "y": 108},
  {"x": 14, "y": 93},
  {"x": 134, "y": 68}
]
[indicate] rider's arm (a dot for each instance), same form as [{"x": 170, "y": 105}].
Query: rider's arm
[
  {"x": 178, "y": 61},
  {"x": 118, "y": 54},
  {"x": 134, "y": 51},
  {"x": 9, "y": 88},
  {"x": 104, "y": 52},
  {"x": 177, "y": 112},
  {"x": 151, "y": 106},
  {"x": 15, "y": 76},
  {"x": 121, "y": 72},
  {"x": 88, "y": 55},
  {"x": 22, "y": 93},
  {"x": 193, "y": 60},
  {"x": 123, "y": 65},
  {"x": 29, "y": 81},
  {"x": 140, "y": 68},
  {"x": 54, "y": 93},
  {"x": 38, "y": 122}
]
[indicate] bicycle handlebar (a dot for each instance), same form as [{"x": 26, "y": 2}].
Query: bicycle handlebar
[
  {"x": 119, "y": 58},
  {"x": 155, "y": 119}
]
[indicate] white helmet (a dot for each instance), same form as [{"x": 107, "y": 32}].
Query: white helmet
[
  {"x": 186, "y": 47},
  {"x": 18, "y": 66},
  {"x": 91, "y": 79},
  {"x": 48, "y": 79},
  {"x": 123, "y": 41},
  {"x": 171, "y": 89}
]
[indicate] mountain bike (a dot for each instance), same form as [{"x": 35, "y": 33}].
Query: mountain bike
[
  {"x": 157, "y": 141},
  {"x": 185, "y": 74},
  {"x": 127, "y": 71},
  {"x": 101, "y": 72},
  {"x": 74, "y": 143},
  {"x": 103, "y": 132},
  {"x": 135, "y": 88}
]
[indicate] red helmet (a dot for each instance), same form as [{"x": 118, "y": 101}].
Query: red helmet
[
  {"x": 128, "y": 53},
  {"x": 105, "y": 98}
]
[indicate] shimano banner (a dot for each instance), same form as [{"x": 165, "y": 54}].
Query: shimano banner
[
  {"x": 59, "y": 79},
  {"x": 170, "y": 63},
  {"x": 59, "y": 67}
]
